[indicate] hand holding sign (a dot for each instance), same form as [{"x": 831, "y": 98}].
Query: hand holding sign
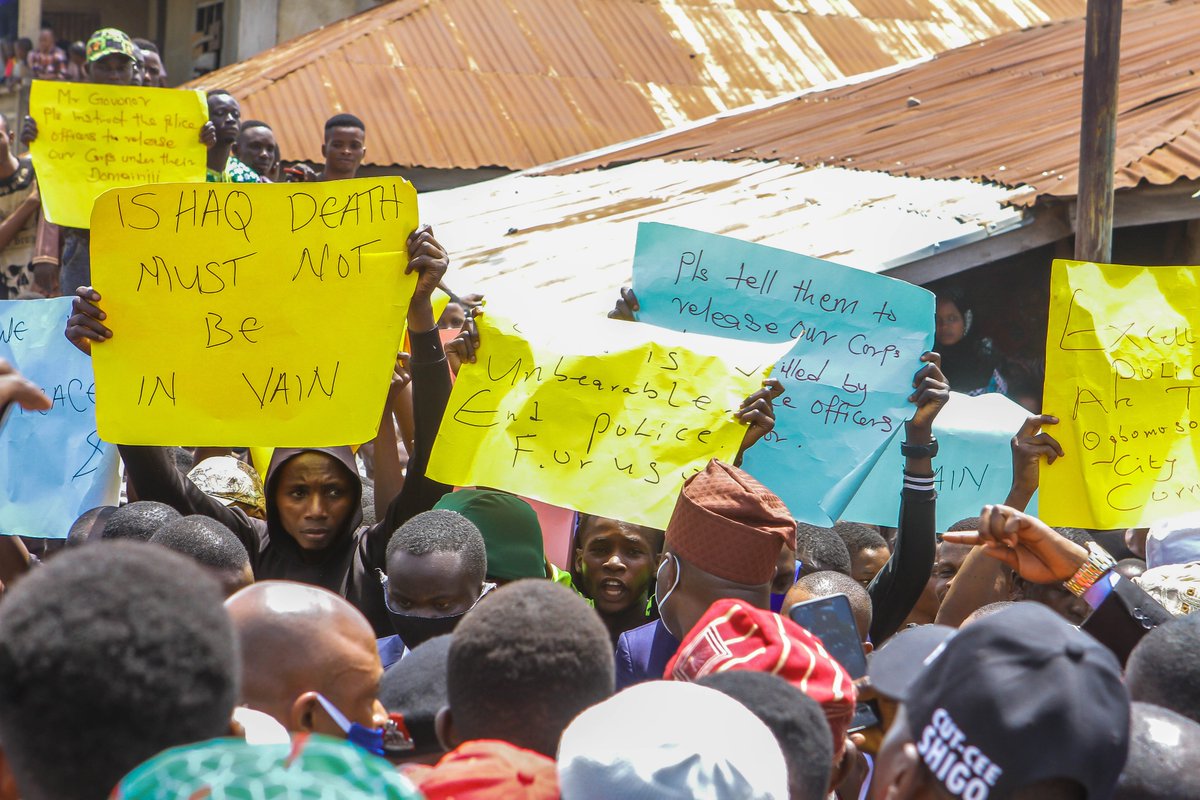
[
  {"x": 1029, "y": 446},
  {"x": 429, "y": 261}
]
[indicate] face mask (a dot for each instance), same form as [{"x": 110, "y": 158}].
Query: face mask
[
  {"x": 369, "y": 739},
  {"x": 414, "y": 630},
  {"x": 777, "y": 599},
  {"x": 662, "y": 598}
]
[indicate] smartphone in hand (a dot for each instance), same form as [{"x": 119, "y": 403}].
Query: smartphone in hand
[{"x": 831, "y": 620}]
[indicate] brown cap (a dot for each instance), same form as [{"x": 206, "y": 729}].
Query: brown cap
[{"x": 730, "y": 525}]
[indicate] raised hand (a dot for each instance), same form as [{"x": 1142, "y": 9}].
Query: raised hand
[
  {"x": 1028, "y": 545},
  {"x": 86, "y": 323},
  {"x": 627, "y": 306}
]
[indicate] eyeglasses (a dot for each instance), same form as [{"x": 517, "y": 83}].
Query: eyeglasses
[
  {"x": 392, "y": 738},
  {"x": 387, "y": 598}
]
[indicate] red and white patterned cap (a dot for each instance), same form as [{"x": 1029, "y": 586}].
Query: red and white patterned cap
[{"x": 734, "y": 635}]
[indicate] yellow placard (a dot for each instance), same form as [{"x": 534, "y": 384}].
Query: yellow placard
[
  {"x": 92, "y": 138},
  {"x": 1122, "y": 370},
  {"x": 603, "y": 417},
  {"x": 250, "y": 314}
]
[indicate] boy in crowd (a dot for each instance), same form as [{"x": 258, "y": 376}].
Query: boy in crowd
[{"x": 436, "y": 565}]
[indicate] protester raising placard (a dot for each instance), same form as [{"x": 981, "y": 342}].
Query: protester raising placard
[
  {"x": 598, "y": 416},
  {"x": 261, "y": 315},
  {"x": 92, "y": 138},
  {"x": 856, "y": 339}
]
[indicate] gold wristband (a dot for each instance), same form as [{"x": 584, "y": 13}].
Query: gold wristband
[{"x": 1098, "y": 563}]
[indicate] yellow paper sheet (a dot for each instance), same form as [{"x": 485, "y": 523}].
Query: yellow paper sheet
[
  {"x": 92, "y": 138},
  {"x": 1122, "y": 373},
  {"x": 250, "y": 314},
  {"x": 605, "y": 417}
]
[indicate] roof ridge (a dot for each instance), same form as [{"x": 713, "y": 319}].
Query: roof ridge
[{"x": 390, "y": 12}]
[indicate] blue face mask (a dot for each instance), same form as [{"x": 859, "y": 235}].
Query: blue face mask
[
  {"x": 391, "y": 738},
  {"x": 777, "y": 599}
]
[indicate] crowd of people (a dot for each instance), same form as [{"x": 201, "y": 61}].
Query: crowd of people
[
  {"x": 50, "y": 60},
  {"x": 341, "y": 625}
]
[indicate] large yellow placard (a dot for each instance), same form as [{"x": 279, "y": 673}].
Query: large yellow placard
[
  {"x": 261, "y": 314},
  {"x": 92, "y": 138},
  {"x": 1122, "y": 372},
  {"x": 606, "y": 417}
]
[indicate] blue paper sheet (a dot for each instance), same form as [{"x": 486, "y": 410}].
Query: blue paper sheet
[
  {"x": 858, "y": 340},
  {"x": 53, "y": 466},
  {"x": 973, "y": 466}
]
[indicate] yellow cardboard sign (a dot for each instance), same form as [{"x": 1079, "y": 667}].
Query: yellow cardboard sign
[
  {"x": 1122, "y": 372},
  {"x": 250, "y": 314},
  {"x": 92, "y": 138},
  {"x": 606, "y": 418}
]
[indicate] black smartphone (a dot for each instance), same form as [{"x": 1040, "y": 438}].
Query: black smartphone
[{"x": 831, "y": 620}]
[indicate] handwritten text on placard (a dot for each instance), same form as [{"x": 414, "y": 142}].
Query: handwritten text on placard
[
  {"x": 856, "y": 340},
  {"x": 973, "y": 466},
  {"x": 250, "y": 315},
  {"x": 609, "y": 418},
  {"x": 1123, "y": 374},
  {"x": 92, "y": 138},
  {"x": 53, "y": 466}
]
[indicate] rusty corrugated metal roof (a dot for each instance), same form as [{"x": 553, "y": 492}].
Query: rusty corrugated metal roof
[
  {"x": 1005, "y": 110},
  {"x": 515, "y": 83}
]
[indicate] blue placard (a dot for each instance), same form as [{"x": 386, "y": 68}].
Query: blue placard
[
  {"x": 53, "y": 466},
  {"x": 973, "y": 465},
  {"x": 858, "y": 340}
]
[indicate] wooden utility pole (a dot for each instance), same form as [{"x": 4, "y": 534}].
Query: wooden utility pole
[{"x": 1098, "y": 131}]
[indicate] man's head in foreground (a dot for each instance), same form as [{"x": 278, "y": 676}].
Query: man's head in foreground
[
  {"x": 211, "y": 545},
  {"x": 723, "y": 541},
  {"x": 522, "y": 665},
  {"x": 109, "y": 655},
  {"x": 436, "y": 563},
  {"x": 308, "y": 659},
  {"x": 1019, "y": 704},
  {"x": 671, "y": 741}
]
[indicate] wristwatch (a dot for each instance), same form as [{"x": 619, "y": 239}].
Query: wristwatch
[
  {"x": 1098, "y": 563},
  {"x": 920, "y": 450}
]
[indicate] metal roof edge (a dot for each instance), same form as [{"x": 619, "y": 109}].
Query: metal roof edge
[{"x": 1020, "y": 219}]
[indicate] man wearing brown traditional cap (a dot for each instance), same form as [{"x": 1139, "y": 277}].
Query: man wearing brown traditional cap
[{"x": 723, "y": 540}]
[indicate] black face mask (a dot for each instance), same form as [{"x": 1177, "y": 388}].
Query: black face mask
[{"x": 414, "y": 631}]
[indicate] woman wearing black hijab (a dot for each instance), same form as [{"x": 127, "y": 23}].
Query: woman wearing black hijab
[{"x": 970, "y": 362}]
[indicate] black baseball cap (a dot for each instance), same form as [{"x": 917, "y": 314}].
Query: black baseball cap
[{"x": 1018, "y": 697}]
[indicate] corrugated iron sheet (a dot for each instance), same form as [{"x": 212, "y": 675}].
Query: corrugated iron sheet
[
  {"x": 568, "y": 240},
  {"x": 515, "y": 83},
  {"x": 1006, "y": 110}
]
